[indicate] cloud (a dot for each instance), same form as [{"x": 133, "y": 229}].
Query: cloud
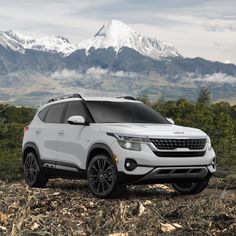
[
  {"x": 219, "y": 26},
  {"x": 65, "y": 74},
  {"x": 216, "y": 78},
  {"x": 94, "y": 73},
  {"x": 184, "y": 23},
  {"x": 217, "y": 44}
]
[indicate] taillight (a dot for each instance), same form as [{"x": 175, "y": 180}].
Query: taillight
[{"x": 26, "y": 128}]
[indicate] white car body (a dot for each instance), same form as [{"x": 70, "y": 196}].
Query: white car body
[{"x": 64, "y": 147}]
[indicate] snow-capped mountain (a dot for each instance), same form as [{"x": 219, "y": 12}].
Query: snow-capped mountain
[
  {"x": 117, "y": 35},
  {"x": 113, "y": 34},
  {"x": 18, "y": 42},
  {"x": 115, "y": 61}
]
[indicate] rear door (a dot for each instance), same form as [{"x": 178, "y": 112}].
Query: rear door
[
  {"x": 71, "y": 139},
  {"x": 47, "y": 131}
]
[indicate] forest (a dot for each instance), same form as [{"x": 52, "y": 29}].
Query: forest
[{"x": 218, "y": 120}]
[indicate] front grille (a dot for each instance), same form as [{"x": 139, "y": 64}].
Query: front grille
[
  {"x": 171, "y": 144},
  {"x": 180, "y": 154}
]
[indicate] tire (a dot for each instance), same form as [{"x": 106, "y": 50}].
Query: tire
[
  {"x": 34, "y": 176},
  {"x": 102, "y": 176},
  {"x": 190, "y": 188}
]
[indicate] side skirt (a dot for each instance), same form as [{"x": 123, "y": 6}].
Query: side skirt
[{"x": 57, "y": 169}]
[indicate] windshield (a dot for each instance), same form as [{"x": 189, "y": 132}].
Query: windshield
[{"x": 123, "y": 112}]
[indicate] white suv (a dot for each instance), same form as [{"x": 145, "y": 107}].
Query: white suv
[{"x": 114, "y": 142}]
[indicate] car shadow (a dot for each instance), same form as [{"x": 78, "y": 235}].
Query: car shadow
[{"x": 140, "y": 192}]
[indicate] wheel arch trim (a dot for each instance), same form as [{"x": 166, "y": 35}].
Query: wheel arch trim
[
  {"x": 95, "y": 146},
  {"x": 33, "y": 146}
]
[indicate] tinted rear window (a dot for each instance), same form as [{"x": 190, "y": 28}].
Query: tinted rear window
[
  {"x": 43, "y": 113},
  {"x": 55, "y": 113},
  {"x": 124, "y": 112}
]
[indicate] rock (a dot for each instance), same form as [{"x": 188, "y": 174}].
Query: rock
[
  {"x": 35, "y": 226},
  {"x": 15, "y": 205},
  {"x": 141, "y": 209},
  {"x": 3, "y": 218},
  {"x": 2, "y": 228},
  {"x": 168, "y": 228},
  {"x": 147, "y": 202}
]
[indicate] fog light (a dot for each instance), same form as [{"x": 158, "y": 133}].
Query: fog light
[{"x": 130, "y": 164}]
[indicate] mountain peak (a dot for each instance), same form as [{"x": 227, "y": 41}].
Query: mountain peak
[
  {"x": 114, "y": 34},
  {"x": 117, "y": 35},
  {"x": 18, "y": 42},
  {"x": 16, "y": 36},
  {"x": 113, "y": 27}
]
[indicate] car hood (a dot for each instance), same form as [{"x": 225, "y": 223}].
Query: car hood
[{"x": 152, "y": 130}]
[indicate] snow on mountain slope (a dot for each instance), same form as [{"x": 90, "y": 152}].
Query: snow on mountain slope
[
  {"x": 54, "y": 44},
  {"x": 57, "y": 44},
  {"x": 113, "y": 34},
  {"x": 13, "y": 41},
  {"x": 117, "y": 35}
]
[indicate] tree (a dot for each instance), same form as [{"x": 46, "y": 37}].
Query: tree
[{"x": 204, "y": 96}]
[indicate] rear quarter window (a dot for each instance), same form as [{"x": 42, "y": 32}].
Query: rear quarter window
[
  {"x": 55, "y": 112},
  {"x": 42, "y": 114}
]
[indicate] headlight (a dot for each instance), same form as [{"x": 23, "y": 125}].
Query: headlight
[
  {"x": 130, "y": 142},
  {"x": 209, "y": 143}
]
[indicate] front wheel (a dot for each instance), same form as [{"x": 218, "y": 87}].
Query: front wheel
[
  {"x": 34, "y": 176},
  {"x": 190, "y": 188},
  {"x": 102, "y": 176}
]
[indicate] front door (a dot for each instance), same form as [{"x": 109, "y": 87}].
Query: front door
[{"x": 70, "y": 138}]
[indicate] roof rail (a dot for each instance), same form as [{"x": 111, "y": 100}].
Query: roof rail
[
  {"x": 127, "y": 97},
  {"x": 75, "y": 95}
]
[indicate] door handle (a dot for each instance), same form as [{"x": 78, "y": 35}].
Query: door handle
[
  {"x": 38, "y": 131},
  {"x": 61, "y": 132}
]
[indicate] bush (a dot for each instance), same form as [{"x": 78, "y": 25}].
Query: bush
[
  {"x": 217, "y": 120},
  {"x": 12, "y": 121}
]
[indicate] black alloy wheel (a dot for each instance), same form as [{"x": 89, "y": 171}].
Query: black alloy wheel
[
  {"x": 102, "y": 176},
  {"x": 34, "y": 177}
]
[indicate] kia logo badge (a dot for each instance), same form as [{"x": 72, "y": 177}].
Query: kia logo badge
[{"x": 178, "y": 132}]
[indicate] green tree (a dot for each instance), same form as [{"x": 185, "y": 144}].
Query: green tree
[{"x": 204, "y": 96}]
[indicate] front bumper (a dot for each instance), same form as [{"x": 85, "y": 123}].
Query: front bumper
[
  {"x": 154, "y": 169},
  {"x": 168, "y": 175}
]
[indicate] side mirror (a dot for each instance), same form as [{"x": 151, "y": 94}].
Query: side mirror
[
  {"x": 171, "y": 121},
  {"x": 77, "y": 120}
]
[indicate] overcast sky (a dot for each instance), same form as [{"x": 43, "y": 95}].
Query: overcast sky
[{"x": 204, "y": 28}]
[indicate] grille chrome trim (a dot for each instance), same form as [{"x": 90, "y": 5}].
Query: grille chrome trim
[{"x": 175, "y": 143}]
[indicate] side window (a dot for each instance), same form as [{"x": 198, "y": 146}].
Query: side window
[
  {"x": 43, "y": 113},
  {"x": 55, "y": 113},
  {"x": 74, "y": 109}
]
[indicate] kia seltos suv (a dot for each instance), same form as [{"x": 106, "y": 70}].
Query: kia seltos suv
[{"x": 114, "y": 142}]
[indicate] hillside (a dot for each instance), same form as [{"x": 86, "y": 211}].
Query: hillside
[
  {"x": 67, "y": 208},
  {"x": 114, "y": 61}
]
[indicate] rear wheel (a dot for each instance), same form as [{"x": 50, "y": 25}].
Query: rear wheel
[
  {"x": 190, "y": 188},
  {"x": 102, "y": 176},
  {"x": 34, "y": 176}
]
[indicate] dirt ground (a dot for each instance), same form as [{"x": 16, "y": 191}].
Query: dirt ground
[{"x": 66, "y": 207}]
